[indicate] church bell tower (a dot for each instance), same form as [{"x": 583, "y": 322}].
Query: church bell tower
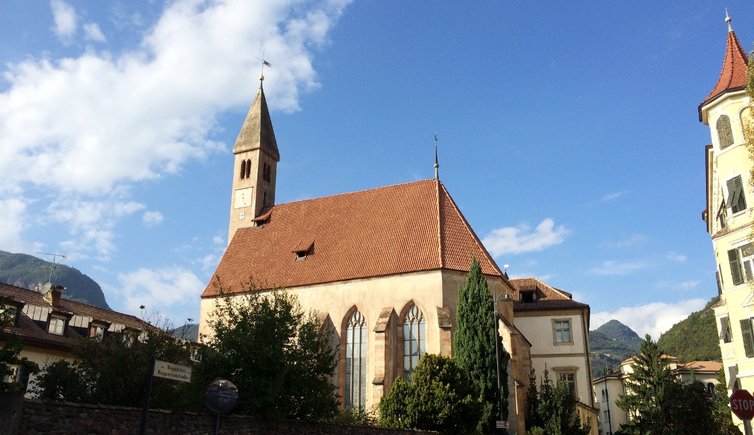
[{"x": 255, "y": 166}]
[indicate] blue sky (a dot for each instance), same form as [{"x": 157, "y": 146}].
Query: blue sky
[{"x": 568, "y": 133}]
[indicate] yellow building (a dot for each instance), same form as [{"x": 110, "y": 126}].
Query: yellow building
[
  {"x": 558, "y": 329},
  {"x": 728, "y": 213},
  {"x": 49, "y": 325},
  {"x": 382, "y": 266}
]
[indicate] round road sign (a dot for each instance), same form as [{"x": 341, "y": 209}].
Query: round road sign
[{"x": 742, "y": 404}]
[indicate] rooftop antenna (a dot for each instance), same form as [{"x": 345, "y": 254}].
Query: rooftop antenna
[
  {"x": 727, "y": 20},
  {"x": 437, "y": 164},
  {"x": 53, "y": 263}
]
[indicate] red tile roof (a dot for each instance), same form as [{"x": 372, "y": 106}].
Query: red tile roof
[
  {"x": 734, "y": 70},
  {"x": 30, "y": 331},
  {"x": 385, "y": 231},
  {"x": 548, "y": 297}
]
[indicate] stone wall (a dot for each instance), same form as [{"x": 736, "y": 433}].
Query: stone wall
[{"x": 33, "y": 416}]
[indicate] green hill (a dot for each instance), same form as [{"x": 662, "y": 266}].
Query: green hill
[
  {"x": 694, "y": 338},
  {"x": 26, "y": 271},
  {"x": 610, "y": 344}
]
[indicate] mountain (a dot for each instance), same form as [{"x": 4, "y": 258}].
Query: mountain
[
  {"x": 610, "y": 344},
  {"x": 694, "y": 338},
  {"x": 28, "y": 272}
]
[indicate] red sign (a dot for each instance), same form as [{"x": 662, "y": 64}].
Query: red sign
[{"x": 742, "y": 404}]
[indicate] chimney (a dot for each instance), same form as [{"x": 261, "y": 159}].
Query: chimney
[{"x": 56, "y": 292}]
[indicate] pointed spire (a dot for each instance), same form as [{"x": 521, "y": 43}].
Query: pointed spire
[
  {"x": 257, "y": 131},
  {"x": 734, "y": 70}
]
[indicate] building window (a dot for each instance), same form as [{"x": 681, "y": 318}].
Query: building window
[
  {"x": 414, "y": 339},
  {"x": 56, "y": 326},
  {"x": 736, "y": 195},
  {"x": 356, "y": 362},
  {"x": 725, "y": 330},
  {"x": 568, "y": 377},
  {"x": 741, "y": 262},
  {"x": 748, "y": 337},
  {"x": 13, "y": 374},
  {"x": 528, "y": 296},
  {"x": 96, "y": 331},
  {"x": 735, "y": 267},
  {"x": 243, "y": 169},
  {"x": 724, "y": 132},
  {"x": 562, "y": 331},
  {"x": 710, "y": 388}
]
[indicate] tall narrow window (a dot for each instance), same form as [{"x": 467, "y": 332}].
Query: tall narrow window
[
  {"x": 748, "y": 337},
  {"x": 356, "y": 362},
  {"x": 735, "y": 267},
  {"x": 243, "y": 169},
  {"x": 736, "y": 196},
  {"x": 248, "y": 168},
  {"x": 724, "y": 132},
  {"x": 725, "y": 330},
  {"x": 414, "y": 339}
]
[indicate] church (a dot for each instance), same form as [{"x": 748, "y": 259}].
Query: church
[{"x": 382, "y": 266}]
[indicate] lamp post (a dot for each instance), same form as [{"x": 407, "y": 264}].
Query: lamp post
[{"x": 495, "y": 298}]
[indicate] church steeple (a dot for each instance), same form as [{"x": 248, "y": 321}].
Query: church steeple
[
  {"x": 733, "y": 73},
  {"x": 255, "y": 168}
]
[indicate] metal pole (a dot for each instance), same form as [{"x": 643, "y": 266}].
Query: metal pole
[
  {"x": 497, "y": 356},
  {"x": 148, "y": 393},
  {"x": 607, "y": 400},
  {"x": 747, "y": 427}
]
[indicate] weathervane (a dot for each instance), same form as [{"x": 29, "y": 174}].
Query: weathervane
[
  {"x": 437, "y": 163},
  {"x": 264, "y": 64},
  {"x": 53, "y": 263},
  {"x": 727, "y": 20}
]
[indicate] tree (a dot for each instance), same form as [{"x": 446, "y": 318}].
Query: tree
[
  {"x": 280, "y": 359},
  {"x": 474, "y": 344},
  {"x": 10, "y": 353},
  {"x": 646, "y": 386},
  {"x": 438, "y": 397},
  {"x": 657, "y": 403},
  {"x": 114, "y": 371},
  {"x": 553, "y": 409},
  {"x": 721, "y": 408}
]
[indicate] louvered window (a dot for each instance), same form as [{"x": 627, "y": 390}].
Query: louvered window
[
  {"x": 735, "y": 267},
  {"x": 748, "y": 337},
  {"x": 736, "y": 195},
  {"x": 724, "y": 132}
]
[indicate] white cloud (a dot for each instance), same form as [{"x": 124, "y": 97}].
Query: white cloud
[
  {"x": 680, "y": 286},
  {"x": 653, "y": 319},
  {"x": 611, "y": 267},
  {"x": 630, "y": 241},
  {"x": 92, "y": 32},
  {"x": 12, "y": 224},
  {"x": 521, "y": 239},
  {"x": 152, "y": 218},
  {"x": 167, "y": 291},
  {"x": 613, "y": 196},
  {"x": 65, "y": 20},
  {"x": 675, "y": 257},
  {"x": 98, "y": 122}
]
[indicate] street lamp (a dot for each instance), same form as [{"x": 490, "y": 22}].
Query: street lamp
[{"x": 504, "y": 296}]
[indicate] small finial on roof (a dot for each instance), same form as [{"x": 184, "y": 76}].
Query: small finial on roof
[
  {"x": 727, "y": 20},
  {"x": 437, "y": 164},
  {"x": 264, "y": 64}
]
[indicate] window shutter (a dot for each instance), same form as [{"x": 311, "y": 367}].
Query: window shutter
[
  {"x": 736, "y": 197},
  {"x": 724, "y": 132},
  {"x": 748, "y": 336},
  {"x": 735, "y": 267}
]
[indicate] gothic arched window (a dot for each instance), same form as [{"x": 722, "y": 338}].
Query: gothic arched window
[
  {"x": 724, "y": 132},
  {"x": 414, "y": 339},
  {"x": 356, "y": 362}
]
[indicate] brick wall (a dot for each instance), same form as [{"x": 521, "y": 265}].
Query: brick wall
[{"x": 34, "y": 416}]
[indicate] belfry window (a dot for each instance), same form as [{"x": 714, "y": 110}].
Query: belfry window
[
  {"x": 724, "y": 132},
  {"x": 356, "y": 362},
  {"x": 248, "y": 168},
  {"x": 243, "y": 169},
  {"x": 414, "y": 339}
]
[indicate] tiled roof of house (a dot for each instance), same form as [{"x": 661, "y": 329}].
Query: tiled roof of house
[
  {"x": 547, "y": 297},
  {"x": 733, "y": 72},
  {"x": 32, "y": 331},
  {"x": 390, "y": 230},
  {"x": 701, "y": 366}
]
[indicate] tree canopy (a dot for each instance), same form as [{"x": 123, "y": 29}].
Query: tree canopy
[
  {"x": 437, "y": 397},
  {"x": 474, "y": 345},
  {"x": 551, "y": 409}
]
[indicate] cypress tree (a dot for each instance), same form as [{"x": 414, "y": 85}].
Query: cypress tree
[{"x": 474, "y": 346}]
